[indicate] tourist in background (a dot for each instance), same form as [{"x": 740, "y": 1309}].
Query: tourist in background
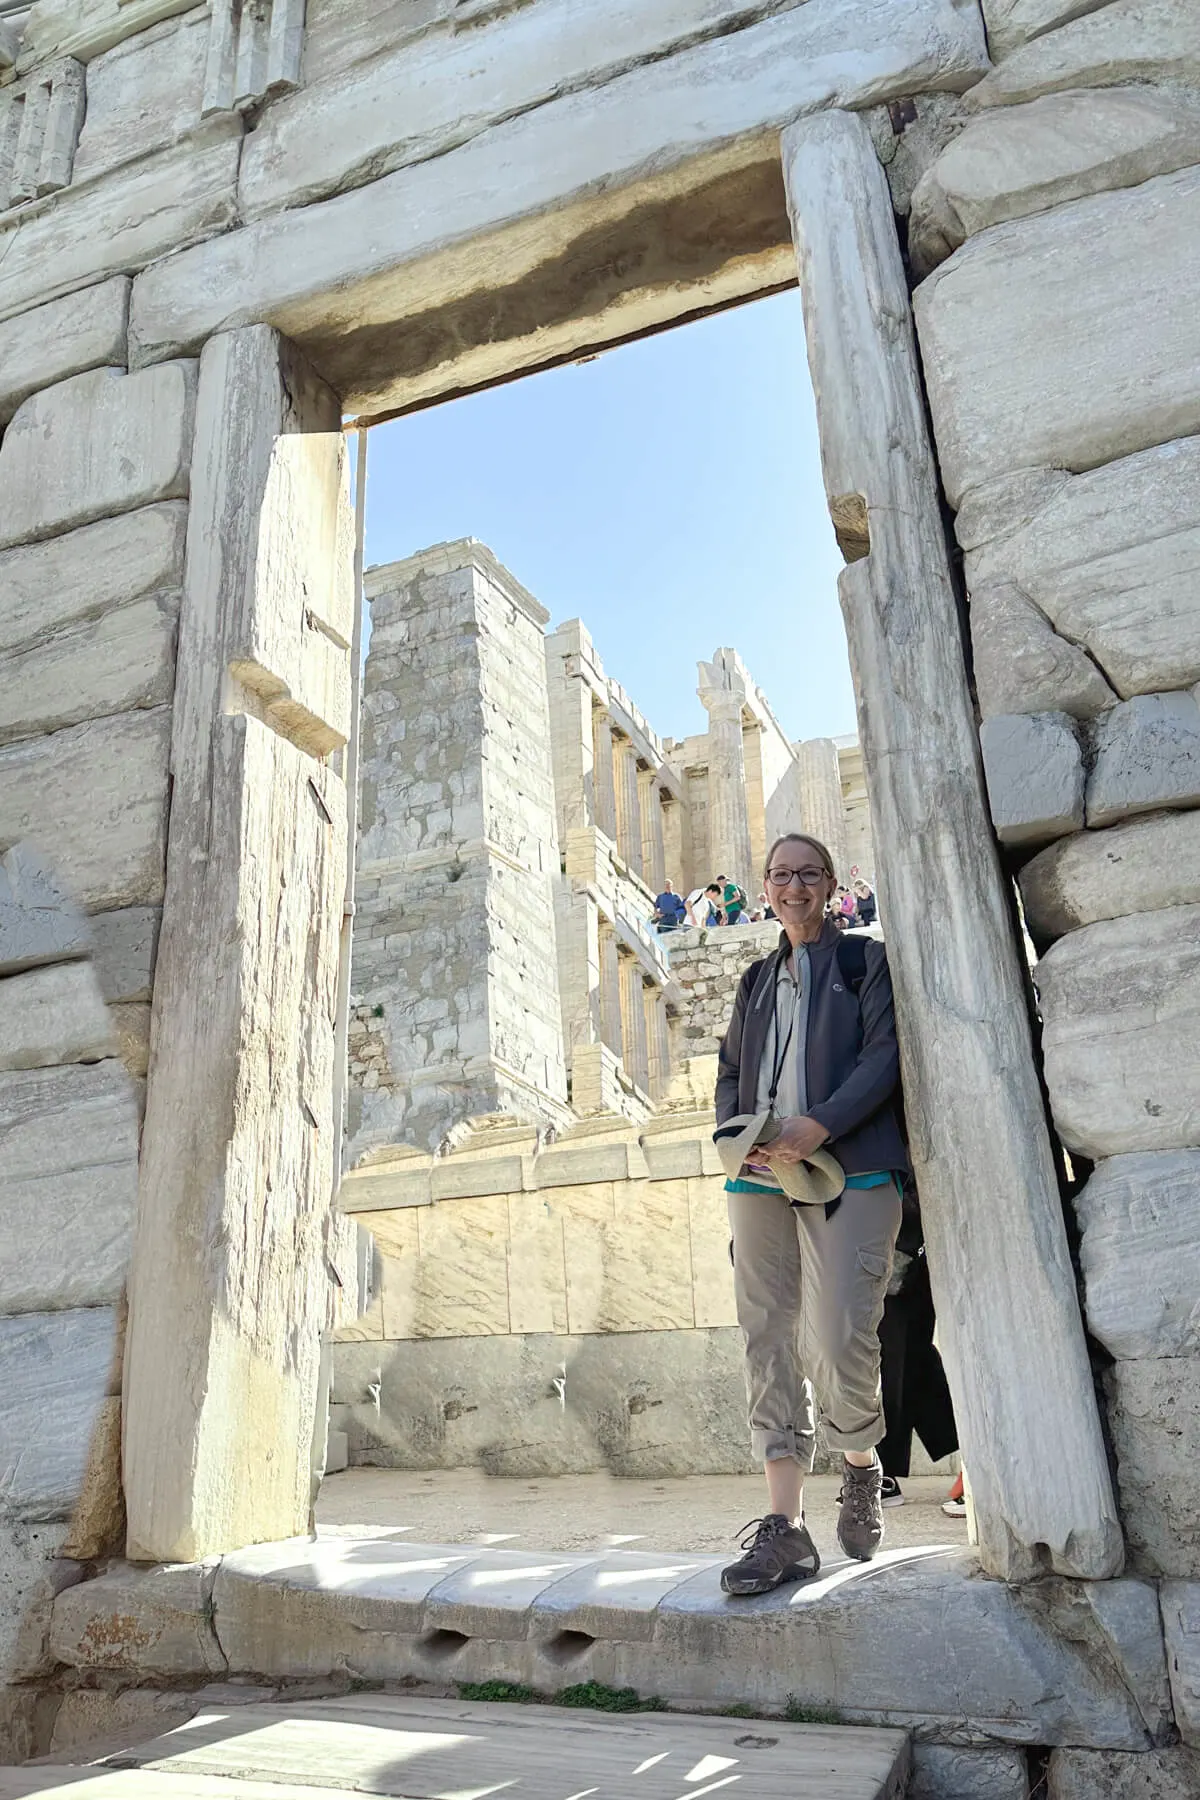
[
  {"x": 669, "y": 909},
  {"x": 733, "y": 900},
  {"x": 809, "y": 1072},
  {"x": 868, "y": 911}
]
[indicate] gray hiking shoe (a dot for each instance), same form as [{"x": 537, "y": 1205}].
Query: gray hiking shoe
[
  {"x": 776, "y": 1551},
  {"x": 860, "y": 1522}
]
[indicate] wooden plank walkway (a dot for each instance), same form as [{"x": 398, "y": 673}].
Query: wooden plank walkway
[{"x": 449, "y": 1750}]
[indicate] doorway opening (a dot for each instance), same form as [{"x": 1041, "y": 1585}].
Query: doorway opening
[{"x": 605, "y": 669}]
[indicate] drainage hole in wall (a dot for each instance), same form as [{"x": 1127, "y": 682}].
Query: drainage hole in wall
[
  {"x": 442, "y": 1645},
  {"x": 568, "y": 1646}
]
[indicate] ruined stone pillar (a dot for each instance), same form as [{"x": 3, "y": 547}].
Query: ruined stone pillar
[
  {"x": 636, "y": 1054},
  {"x": 603, "y": 776},
  {"x": 821, "y": 809},
  {"x": 610, "y": 989},
  {"x": 723, "y": 695},
  {"x": 454, "y": 938}
]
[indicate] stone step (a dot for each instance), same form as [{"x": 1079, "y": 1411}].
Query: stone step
[{"x": 450, "y": 1750}]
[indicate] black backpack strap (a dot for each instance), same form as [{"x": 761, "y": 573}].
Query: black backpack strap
[{"x": 851, "y": 954}]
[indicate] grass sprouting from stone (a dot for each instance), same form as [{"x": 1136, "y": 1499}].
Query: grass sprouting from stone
[
  {"x": 607, "y": 1699},
  {"x": 797, "y": 1713},
  {"x": 514, "y": 1692},
  {"x": 594, "y": 1694}
]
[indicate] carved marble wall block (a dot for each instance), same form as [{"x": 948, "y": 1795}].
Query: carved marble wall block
[{"x": 39, "y": 129}]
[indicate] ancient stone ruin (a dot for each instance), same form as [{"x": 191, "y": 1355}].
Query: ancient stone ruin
[{"x": 227, "y": 233}]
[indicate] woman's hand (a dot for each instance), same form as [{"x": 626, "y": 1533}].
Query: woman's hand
[{"x": 797, "y": 1139}]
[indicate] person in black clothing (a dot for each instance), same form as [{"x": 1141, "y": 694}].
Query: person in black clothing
[
  {"x": 868, "y": 911},
  {"x": 916, "y": 1395}
]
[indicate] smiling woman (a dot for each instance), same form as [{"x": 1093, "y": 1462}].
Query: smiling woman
[{"x": 810, "y": 1069}]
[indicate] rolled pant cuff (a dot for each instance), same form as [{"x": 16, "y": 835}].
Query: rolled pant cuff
[
  {"x": 865, "y": 1438},
  {"x": 771, "y": 1446}
]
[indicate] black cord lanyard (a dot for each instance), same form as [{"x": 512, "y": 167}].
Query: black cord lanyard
[{"x": 781, "y": 1058}]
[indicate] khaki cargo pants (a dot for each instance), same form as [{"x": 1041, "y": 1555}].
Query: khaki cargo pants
[{"x": 809, "y": 1294}]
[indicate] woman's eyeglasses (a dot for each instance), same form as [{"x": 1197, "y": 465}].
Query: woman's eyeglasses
[{"x": 809, "y": 878}]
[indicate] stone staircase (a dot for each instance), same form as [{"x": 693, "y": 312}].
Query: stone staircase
[{"x": 448, "y": 1750}]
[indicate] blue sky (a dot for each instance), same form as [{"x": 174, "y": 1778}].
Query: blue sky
[{"x": 668, "y": 493}]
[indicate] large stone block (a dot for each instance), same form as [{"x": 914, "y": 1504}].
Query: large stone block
[
  {"x": 124, "y": 946},
  {"x": 1023, "y": 666},
  {"x": 653, "y": 123},
  {"x": 69, "y": 1179},
  {"x": 57, "y": 1371},
  {"x": 120, "y": 660},
  {"x": 665, "y": 1403},
  {"x": 1147, "y": 755},
  {"x": 102, "y": 442},
  {"x": 94, "y": 799},
  {"x": 962, "y": 1772},
  {"x": 1013, "y": 162},
  {"x": 69, "y": 582},
  {"x": 1120, "y": 1775},
  {"x": 1042, "y": 1669},
  {"x": 1125, "y": 41},
  {"x": 1025, "y": 333},
  {"x": 87, "y": 28},
  {"x": 1011, "y": 23},
  {"x": 1135, "y": 867},
  {"x": 1111, "y": 557},
  {"x": 148, "y": 1622},
  {"x": 422, "y": 99},
  {"x": 31, "y": 1575},
  {"x": 53, "y": 1015},
  {"x": 39, "y": 922},
  {"x": 143, "y": 95},
  {"x": 1140, "y": 1222},
  {"x": 1121, "y": 1033},
  {"x": 1154, "y": 1415},
  {"x": 1034, "y": 768},
  {"x": 122, "y": 222},
  {"x": 1181, "y": 1629},
  {"x": 63, "y": 338}
]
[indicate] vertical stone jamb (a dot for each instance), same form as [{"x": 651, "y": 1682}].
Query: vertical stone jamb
[
  {"x": 229, "y": 1291},
  {"x": 1009, "y": 1317}
]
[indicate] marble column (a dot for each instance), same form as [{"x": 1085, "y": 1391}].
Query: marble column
[
  {"x": 821, "y": 810},
  {"x": 636, "y": 1055},
  {"x": 603, "y": 782},
  {"x": 654, "y": 859},
  {"x": 629, "y": 817},
  {"x": 610, "y": 990},
  {"x": 722, "y": 694},
  {"x": 658, "y": 1040}
]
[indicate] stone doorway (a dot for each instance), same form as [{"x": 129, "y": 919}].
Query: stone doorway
[{"x": 975, "y": 1110}]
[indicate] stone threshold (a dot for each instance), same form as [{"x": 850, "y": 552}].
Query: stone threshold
[{"x": 916, "y": 1640}]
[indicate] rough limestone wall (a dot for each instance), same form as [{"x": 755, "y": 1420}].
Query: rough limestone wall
[
  {"x": 68, "y": 1198},
  {"x": 455, "y": 985},
  {"x": 707, "y": 965},
  {"x": 1061, "y": 338},
  {"x": 93, "y": 484}
]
